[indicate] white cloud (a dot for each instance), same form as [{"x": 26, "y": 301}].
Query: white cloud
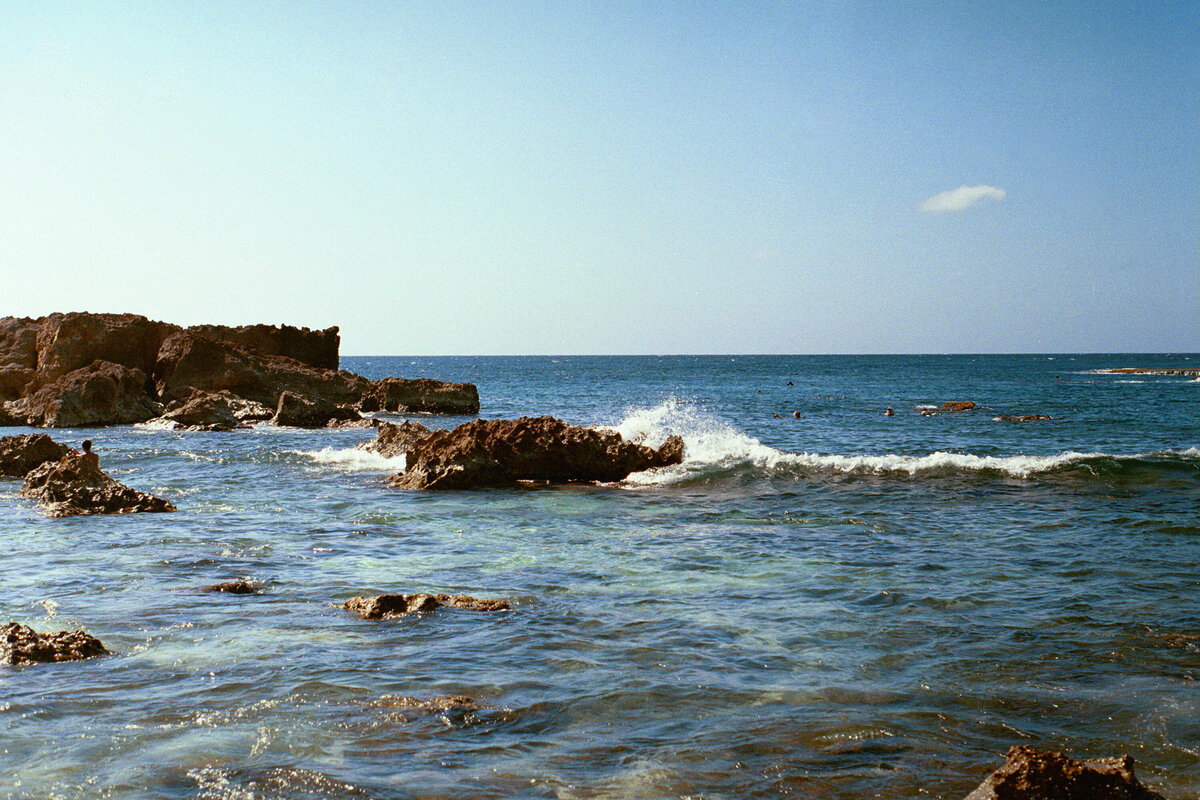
[{"x": 961, "y": 199}]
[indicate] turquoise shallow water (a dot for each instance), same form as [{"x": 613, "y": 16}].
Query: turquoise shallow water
[{"x": 844, "y": 605}]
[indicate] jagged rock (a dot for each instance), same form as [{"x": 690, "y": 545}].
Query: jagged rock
[
  {"x": 421, "y": 395},
  {"x": 71, "y": 486},
  {"x": 68, "y": 342},
  {"x": 393, "y": 441},
  {"x": 1032, "y": 774},
  {"x": 300, "y": 412},
  {"x": 23, "y": 645},
  {"x": 15, "y": 381},
  {"x": 102, "y": 393},
  {"x": 501, "y": 452},
  {"x": 389, "y": 606},
  {"x": 957, "y": 405},
  {"x": 315, "y": 348},
  {"x": 234, "y": 587},
  {"x": 1026, "y": 418},
  {"x": 204, "y": 411},
  {"x": 20, "y": 454}
]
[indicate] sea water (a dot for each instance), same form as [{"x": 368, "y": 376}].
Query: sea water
[{"x": 839, "y": 605}]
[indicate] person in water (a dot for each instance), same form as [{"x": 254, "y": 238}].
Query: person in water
[{"x": 88, "y": 456}]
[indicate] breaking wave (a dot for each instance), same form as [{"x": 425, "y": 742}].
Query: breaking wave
[
  {"x": 713, "y": 447},
  {"x": 351, "y": 460}
]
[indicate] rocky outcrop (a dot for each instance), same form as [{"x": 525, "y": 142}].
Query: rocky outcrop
[
  {"x": 20, "y": 454},
  {"x": 1025, "y": 418},
  {"x": 23, "y": 645},
  {"x": 300, "y": 412},
  {"x": 1186, "y": 372},
  {"x": 204, "y": 411},
  {"x": 68, "y": 342},
  {"x": 957, "y": 405},
  {"x": 71, "y": 486},
  {"x": 1032, "y": 774},
  {"x": 502, "y": 452},
  {"x": 241, "y": 586},
  {"x": 421, "y": 395},
  {"x": 393, "y": 441},
  {"x": 102, "y": 393},
  {"x": 390, "y": 606},
  {"x": 317, "y": 349}
]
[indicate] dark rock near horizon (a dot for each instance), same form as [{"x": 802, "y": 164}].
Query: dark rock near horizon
[
  {"x": 421, "y": 395},
  {"x": 296, "y": 411},
  {"x": 21, "y": 454},
  {"x": 389, "y": 606},
  {"x": 20, "y": 645},
  {"x": 957, "y": 405},
  {"x": 393, "y": 441},
  {"x": 102, "y": 393},
  {"x": 485, "y": 453},
  {"x": 1025, "y": 418},
  {"x": 1032, "y": 774},
  {"x": 71, "y": 486}
]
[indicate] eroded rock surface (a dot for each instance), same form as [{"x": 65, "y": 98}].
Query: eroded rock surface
[
  {"x": 1032, "y": 774},
  {"x": 502, "y": 452},
  {"x": 390, "y": 606},
  {"x": 71, "y": 486},
  {"x": 20, "y": 644},
  {"x": 20, "y": 454},
  {"x": 421, "y": 395},
  {"x": 300, "y": 412},
  {"x": 205, "y": 411},
  {"x": 102, "y": 393},
  {"x": 393, "y": 441}
]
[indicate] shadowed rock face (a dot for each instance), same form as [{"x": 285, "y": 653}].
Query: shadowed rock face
[
  {"x": 1032, "y": 774},
  {"x": 389, "y": 606},
  {"x": 300, "y": 412},
  {"x": 421, "y": 395},
  {"x": 501, "y": 452},
  {"x": 20, "y": 454},
  {"x": 393, "y": 441},
  {"x": 317, "y": 349},
  {"x": 22, "y": 645},
  {"x": 102, "y": 393},
  {"x": 205, "y": 411},
  {"x": 71, "y": 486}
]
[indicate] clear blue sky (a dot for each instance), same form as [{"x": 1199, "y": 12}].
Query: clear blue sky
[{"x": 571, "y": 177}]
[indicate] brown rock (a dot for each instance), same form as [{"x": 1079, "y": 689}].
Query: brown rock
[
  {"x": 1032, "y": 774},
  {"x": 393, "y": 441},
  {"x": 67, "y": 342},
  {"x": 20, "y": 454},
  {"x": 314, "y": 348},
  {"x": 300, "y": 412},
  {"x": 22, "y": 645},
  {"x": 1026, "y": 418},
  {"x": 102, "y": 393},
  {"x": 234, "y": 587},
  {"x": 958, "y": 405},
  {"x": 389, "y": 606},
  {"x": 204, "y": 411},
  {"x": 501, "y": 452},
  {"x": 71, "y": 486},
  {"x": 421, "y": 395}
]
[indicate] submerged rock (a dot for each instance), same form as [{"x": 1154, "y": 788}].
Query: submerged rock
[
  {"x": 393, "y": 441},
  {"x": 234, "y": 587},
  {"x": 389, "y": 606},
  {"x": 1026, "y": 418},
  {"x": 23, "y": 645},
  {"x": 1032, "y": 774},
  {"x": 20, "y": 454},
  {"x": 501, "y": 452},
  {"x": 71, "y": 486},
  {"x": 957, "y": 405}
]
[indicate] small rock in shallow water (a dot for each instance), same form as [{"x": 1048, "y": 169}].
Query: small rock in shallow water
[
  {"x": 234, "y": 587},
  {"x": 958, "y": 405},
  {"x": 389, "y": 606},
  {"x": 1032, "y": 774},
  {"x": 23, "y": 645}
]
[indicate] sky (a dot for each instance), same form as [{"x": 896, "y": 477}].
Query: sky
[{"x": 577, "y": 177}]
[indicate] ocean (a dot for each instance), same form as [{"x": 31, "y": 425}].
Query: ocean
[{"x": 841, "y": 604}]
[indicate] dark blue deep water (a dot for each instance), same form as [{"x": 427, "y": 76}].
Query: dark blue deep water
[{"x": 844, "y": 605}]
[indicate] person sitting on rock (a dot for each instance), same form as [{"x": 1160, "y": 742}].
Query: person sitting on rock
[{"x": 89, "y": 457}]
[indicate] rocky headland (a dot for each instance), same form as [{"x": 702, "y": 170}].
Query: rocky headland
[{"x": 80, "y": 369}]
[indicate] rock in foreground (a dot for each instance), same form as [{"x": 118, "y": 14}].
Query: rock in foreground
[
  {"x": 1032, "y": 774},
  {"x": 390, "y": 606},
  {"x": 71, "y": 486},
  {"x": 22, "y": 645},
  {"x": 393, "y": 441},
  {"x": 502, "y": 452},
  {"x": 20, "y": 454}
]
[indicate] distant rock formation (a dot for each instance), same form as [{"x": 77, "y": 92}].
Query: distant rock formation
[
  {"x": 20, "y": 454},
  {"x": 1025, "y": 418},
  {"x": 71, "y": 486},
  {"x": 23, "y": 645},
  {"x": 502, "y": 452},
  {"x": 390, "y": 606},
  {"x": 80, "y": 369},
  {"x": 957, "y": 405},
  {"x": 1032, "y": 774}
]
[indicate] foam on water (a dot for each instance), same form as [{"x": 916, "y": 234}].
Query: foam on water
[{"x": 351, "y": 460}]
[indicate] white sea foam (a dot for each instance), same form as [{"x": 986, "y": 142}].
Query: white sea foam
[
  {"x": 351, "y": 460},
  {"x": 711, "y": 445}
]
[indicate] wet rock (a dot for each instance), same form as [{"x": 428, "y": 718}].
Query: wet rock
[
  {"x": 427, "y": 705},
  {"x": 957, "y": 405},
  {"x": 1026, "y": 418},
  {"x": 102, "y": 393},
  {"x": 421, "y": 395},
  {"x": 389, "y": 606},
  {"x": 393, "y": 441},
  {"x": 20, "y": 454},
  {"x": 234, "y": 587},
  {"x": 23, "y": 645},
  {"x": 204, "y": 411},
  {"x": 71, "y": 486},
  {"x": 301, "y": 412},
  {"x": 1032, "y": 774},
  {"x": 501, "y": 452}
]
